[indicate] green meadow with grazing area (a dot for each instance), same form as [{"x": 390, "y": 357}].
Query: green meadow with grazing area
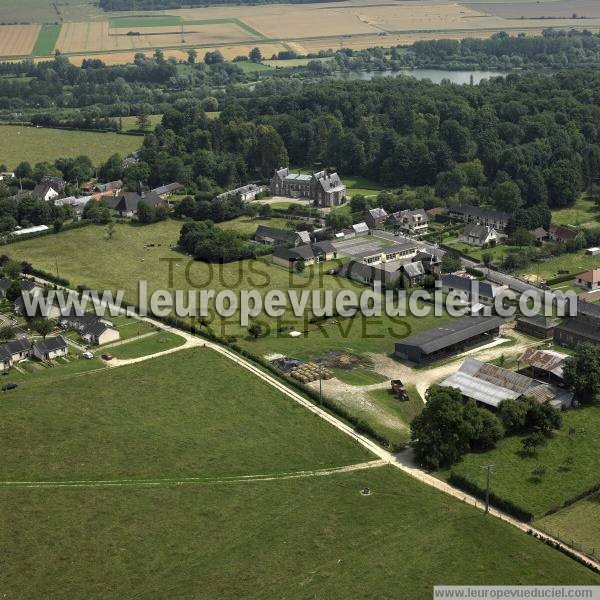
[
  {"x": 571, "y": 459},
  {"x": 145, "y": 346},
  {"x": 313, "y": 537},
  {"x": 35, "y": 145},
  {"x": 180, "y": 415}
]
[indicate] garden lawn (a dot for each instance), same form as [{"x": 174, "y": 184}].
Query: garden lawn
[
  {"x": 296, "y": 539},
  {"x": 152, "y": 344},
  {"x": 248, "y": 226},
  {"x": 357, "y": 185},
  {"x": 512, "y": 480},
  {"x": 192, "y": 413},
  {"x": 35, "y": 145},
  {"x": 129, "y": 327},
  {"x": 572, "y": 263}
]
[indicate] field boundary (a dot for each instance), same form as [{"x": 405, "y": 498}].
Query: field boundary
[{"x": 303, "y": 474}]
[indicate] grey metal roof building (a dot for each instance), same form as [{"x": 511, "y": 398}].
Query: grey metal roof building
[
  {"x": 491, "y": 385},
  {"x": 453, "y": 335}
]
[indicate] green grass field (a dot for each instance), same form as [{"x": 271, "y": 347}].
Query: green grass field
[
  {"x": 296, "y": 539},
  {"x": 359, "y": 376},
  {"x": 157, "y": 342},
  {"x": 251, "y": 67},
  {"x": 181, "y": 415},
  {"x": 129, "y": 327},
  {"x": 130, "y": 123},
  {"x": 46, "y": 40},
  {"x": 578, "y": 439},
  {"x": 390, "y": 412},
  {"x": 36, "y": 145},
  {"x": 583, "y": 213},
  {"x": 358, "y": 335},
  {"x": 578, "y": 524},
  {"x": 293, "y": 62}
]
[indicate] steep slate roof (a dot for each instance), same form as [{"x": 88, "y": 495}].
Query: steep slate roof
[
  {"x": 303, "y": 252},
  {"x": 377, "y": 213},
  {"x": 361, "y": 227},
  {"x": 477, "y": 231},
  {"x": 538, "y": 321},
  {"x": 325, "y": 247},
  {"x": 330, "y": 182},
  {"x": 454, "y": 332},
  {"x": 50, "y": 344},
  {"x": 41, "y": 189},
  {"x": 283, "y": 235},
  {"x": 251, "y": 187},
  {"x": 414, "y": 269},
  {"x": 18, "y": 345},
  {"x": 466, "y": 284},
  {"x": 479, "y": 213},
  {"x": 582, "y": 326}
]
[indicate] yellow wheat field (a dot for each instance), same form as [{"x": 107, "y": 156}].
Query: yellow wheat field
[
  {"x": 16, "y": 40},
  {"x": 96, "y": 37}
]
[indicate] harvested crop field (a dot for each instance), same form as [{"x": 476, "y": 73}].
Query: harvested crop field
[
  {"x": 564, "y": 9},
  {"x": 95, "y": 37},
  {"x": 18, "y": 40}
]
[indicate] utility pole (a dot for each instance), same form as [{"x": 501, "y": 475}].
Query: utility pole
[
  {"x": 320, "y": 383},
  {"x": 490, "y": 470}
]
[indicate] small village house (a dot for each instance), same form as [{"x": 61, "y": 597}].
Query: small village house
[
  {"x": 590, "y": 280},
  {"x": 376, "y": 217},
  {"x": 476, "y": 234},
  {"x": 560, "y": 234},
  {"x": 50, "y": 348}
]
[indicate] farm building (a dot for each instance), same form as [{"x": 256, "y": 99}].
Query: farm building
[
  {"x": 29, "y": 230},
  {"x": 467, "y": 288},
  {"x": 560, "y": 234},
  {"x": 549, "y": 362},
  {"x": 476, "y": 214},
  {"x": 537, "y": 326},
  {"x": 490, "y": 385},
  {"x": 387, "y": 273},
  {"x": 50, "y": 348},
  {"x": 450, "y": 338},
  {"x": 324, "y": 188},
  {"x": 577, "y": 330},
  {"x": 593, "y": 251},
  {"x": 244, "y": 193},
  {"x": 271, "y": 235},
  {"x": 590, "y": 280}
]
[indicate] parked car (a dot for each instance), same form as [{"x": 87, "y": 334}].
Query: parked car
[
  {"x": 87, "y": 355},
  {"x": 9, "y": 386},
  {"x": 107, "y": 356}
]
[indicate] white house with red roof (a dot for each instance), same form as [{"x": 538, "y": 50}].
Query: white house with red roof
[{"x": 590, "y": 280}]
